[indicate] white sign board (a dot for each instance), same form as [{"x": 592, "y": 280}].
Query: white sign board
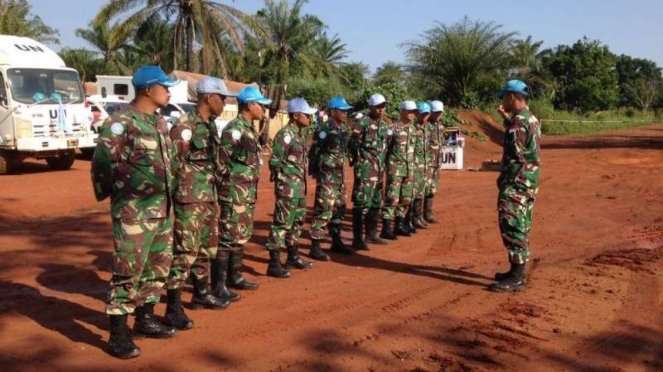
[{"x": 452, "y": 157}]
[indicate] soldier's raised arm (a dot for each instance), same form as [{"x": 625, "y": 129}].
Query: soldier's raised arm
[{"x": 109, "y": 152}]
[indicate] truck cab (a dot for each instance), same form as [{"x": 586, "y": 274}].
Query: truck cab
[{"x": 42, "y": 106}]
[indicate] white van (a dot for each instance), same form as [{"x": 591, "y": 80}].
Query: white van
[{"x": 42, "y": 106}]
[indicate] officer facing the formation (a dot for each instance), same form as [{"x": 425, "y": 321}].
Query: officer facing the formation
[
  {"x": 195, "y": 201},
  {"x": 435, "y": 131},
  {"x": 518, "y": 182},
  {"x": 400, "y": 173},
  {"x": 238, "y": 163},
  {"x": 132, "y": 165},
  {"x": 368, "y": 143},
  {"x": 288, "y": 165},
  {"x": 421, "y": 174},
  {"x": 327, "y": 164}
]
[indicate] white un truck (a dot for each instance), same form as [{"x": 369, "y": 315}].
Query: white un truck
[{"x": 42, "y": 106}]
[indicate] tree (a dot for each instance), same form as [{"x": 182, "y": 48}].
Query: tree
[
  {"x": 639, "y": 81},
  {"x": 389, "y": 72},
  {"x": 154, "y": 41},
  {"x": 527, "y": 64},
  {"x": 354, "y": 76},
  {"x": 290, "y": 34},
  {"x": 329, "y": 54},
  {"x": 202, "y": 24},
  {"x": 464, "y": 59},
  {"x": 15, "y": 19},
  {"x": 585, "y": 76},
  {"x": 100, "y": 36},
  {"x": 87, "y": 63}
]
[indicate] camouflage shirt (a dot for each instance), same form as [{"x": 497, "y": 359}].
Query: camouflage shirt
[
  {"x": 193, "y": 166},
  {"x": 521, "y": 158},
  {"x": 435, "y": 143},
  {"x": 289, "y": 163},
  {"x": 131, "y": 164},
  {"x": 400, "y": 150},
  {"x": 238, "y": 162},
  {"x": 368, "y": 141},
  {"x": 421, "y": 138},
  {"x": 329, "y": 147}
]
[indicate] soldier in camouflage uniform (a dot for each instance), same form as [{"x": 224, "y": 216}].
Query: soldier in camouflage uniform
[
  {"x": 288, "y": 165},
  {"x": 421, "y": 174},
  {"x": 239, "y": 161},
  {"x": 368, "y": 144},
  {"x": 434, "y": 153},
  {"x": 195, "y": 201},
  {"x": 327, "y": 165},
  {"x": 132, "y": 165},
  {"x": 400, "y": 173},
  {"x": 518, "y": 182}
]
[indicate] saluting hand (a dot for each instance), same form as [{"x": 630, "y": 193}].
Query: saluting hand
[{"x": 503, "y": 113}]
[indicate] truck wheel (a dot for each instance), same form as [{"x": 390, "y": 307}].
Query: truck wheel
[
  {"x": 6, "y": 163},
  {"x": 62, "y": 162}
]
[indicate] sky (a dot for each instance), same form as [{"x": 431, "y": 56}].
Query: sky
[{"x": 373, "y": 29}]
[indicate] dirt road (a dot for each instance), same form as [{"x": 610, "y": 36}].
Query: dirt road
[{"x": 595, "y": 302}]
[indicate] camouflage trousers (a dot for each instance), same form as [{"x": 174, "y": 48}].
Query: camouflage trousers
[
  {"x": 367, "y": 189},
  {"x": 235, "y": 224},
  {"x": 328, "y": 210},
  {"x": 196, "y": 241},
  {"x": 288, "y": 221},
  {"x": 421, "y": 183},
  {"x": 433, "y": 181},
  {"x": 398, "y": 197},
  {"x": 515, "y": 209},
  {"x": 143, "y": 252}
]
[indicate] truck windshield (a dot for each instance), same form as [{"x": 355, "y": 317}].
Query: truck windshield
[{"x": 26, "y": 84}]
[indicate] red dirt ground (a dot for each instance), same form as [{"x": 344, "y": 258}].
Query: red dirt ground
[{"x": 594, "y": 302}]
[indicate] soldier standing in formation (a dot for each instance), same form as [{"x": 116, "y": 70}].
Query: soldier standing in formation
[
  {"x": 327, "y": 164},
  {"x": 435, "y": 131},
  {"x": 239, "y": 161},
  {"x": 518, "y": 182},
  {"x": 400, "y": 173},
  {"x": 195, "y": 201},
  {"x": 421, "y": 174},
  {"x": 289, "y": 165},
  {"x": 367, "y": 145},
  {"x": 131, "y": 164}
]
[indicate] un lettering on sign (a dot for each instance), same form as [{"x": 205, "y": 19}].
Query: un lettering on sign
[{"x": 452, "y": 158}]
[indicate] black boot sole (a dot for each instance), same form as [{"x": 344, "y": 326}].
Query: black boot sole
[
  {"x": 157, "y": 336},
  {"x": 516, "y": 288},
  {"x": 129, "y": 355}
]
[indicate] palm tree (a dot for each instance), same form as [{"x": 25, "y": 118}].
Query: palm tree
[
  {"x": 389, "y": 72},
  {"x": 329, "y": 54},
  {"x": 460, "y": 60},
  {"x": 154, "y": 40},
  {"x": 198, "y": 23},
  {"x": 528, "y": 65},
  {"x": 99, "y": 36},
  {"x": 87, "y": 63},
  {"x": 291, "y": 35}
]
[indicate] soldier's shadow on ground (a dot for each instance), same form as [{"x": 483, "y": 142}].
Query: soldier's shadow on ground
[
  {"x": 73, "y": 280},
  {"x": 361, "y": 259},
  {"x": 52, "y": 313}
]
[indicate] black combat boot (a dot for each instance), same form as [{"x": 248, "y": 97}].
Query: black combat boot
[
  {"x": 358, "y": 242},
  {"x": 120, "y": 344},
  {"x": 400, "y": 228},
  {"x": 337, "y": 243},
  {"x": 175, "y": 315},
  {"x": 515, "y": 282},
  {"x": 372, "y": 228},
  {"x": 295, "y": 261},
  {"x": 409, "y": 219},
  {"x": 428, "y": 210},
  {"x": 501, "y": 276},
  {"x": 148, "y": 326},
  {"x": 387, "y": 232},
  {"x": 236, "y": 280},
  {"x": 418, "y": 219},
  {"x": 316, "y": 252},
  {"x": 219, "y": 274},
  {"x": 203, "y": 299},
  {"x": 275, "y": 268}
]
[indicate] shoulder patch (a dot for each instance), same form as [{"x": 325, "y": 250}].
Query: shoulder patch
[
  {"x": 236, "y": 135},
  {"x": 390, "y": 132},
  {"x": 322, "y": 135},
  {"x": 287, "y": 139},
  {"x": 186, "y": 134},
  {"x": 117, "y": 129}
]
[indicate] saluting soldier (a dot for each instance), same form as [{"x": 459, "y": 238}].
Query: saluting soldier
[{"x": 434, "y": 155}]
